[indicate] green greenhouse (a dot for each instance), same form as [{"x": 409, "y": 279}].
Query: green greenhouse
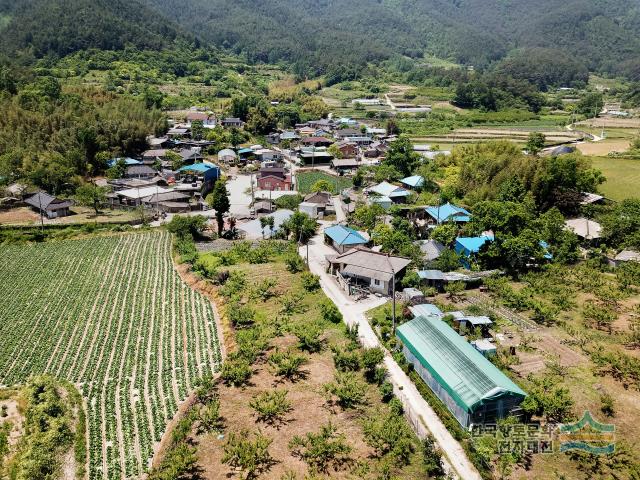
[{"x": 471, "y": 387}]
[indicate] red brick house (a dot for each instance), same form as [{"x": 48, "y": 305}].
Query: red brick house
[
  {"x": 275, "y": 183},
  {"x": 348, "y": 149}
]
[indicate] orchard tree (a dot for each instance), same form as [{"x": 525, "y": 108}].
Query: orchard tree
[{"x": 536, "y": 142}]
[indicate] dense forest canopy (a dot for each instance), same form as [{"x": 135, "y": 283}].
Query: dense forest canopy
[
  {"x": 54, "y": 28},
  {"x": 604, "y": 35}
]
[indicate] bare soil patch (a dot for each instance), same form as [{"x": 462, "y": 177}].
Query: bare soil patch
[
  {"x": 21, "y": 215},
  {"x": 603, "y": 148}
]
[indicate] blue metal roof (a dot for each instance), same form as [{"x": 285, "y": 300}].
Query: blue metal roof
[
  {"x": 448, "y": 212},
  {"x": 344, "y": 235},
  {"x": 415, "y": 181},
  {"x": 469, "y": 245},
  {"x": 245, "y": 150},
  {"x": 197, "y": 167},
  {"x": 128, "y": 161}
]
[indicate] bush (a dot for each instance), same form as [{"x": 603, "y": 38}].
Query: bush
[
  {"x": 607, "y": 405},
  {"x": 264, "y": 289},
  {"x": 209, "y": 419},
  {"x": 251, "y": 343},
  {"x": 241, "y": 316},
  {"x": 386, "y": 391},
  {"x": 389, "y": 434},
  {"x": 309, "y": 337},
  {"x": 310, "y": 282},
  {"x": 294, "y": 263},
  {"x": 236, "y": 371},
  {"x": 287, "y": 364},
  {"x": 346, "y": 360},
  {"x": 349, "y": 390},
  {"x": 371, "y": 358},
  {"x": 291, "y": 304},
  {"x": 432, "y": 458},
  {"x": 330, "y": 312},
  {"x": 236, "y": 283},
  {"x": 271, "y": 406},
  {"x": 322, "y": 450},
  {"x": 249, "y": 456}
]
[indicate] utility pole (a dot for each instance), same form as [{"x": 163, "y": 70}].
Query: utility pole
[{"x": 41, "y": 217}]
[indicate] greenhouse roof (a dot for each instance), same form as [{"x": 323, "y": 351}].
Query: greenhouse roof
[{"x": 469, "y": 378}]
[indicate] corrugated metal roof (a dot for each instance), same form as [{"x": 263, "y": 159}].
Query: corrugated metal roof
[
  {"x": 462, "y": 371},
  {"x": 344, "y": 235},
  {"x": 448, "y": 212}
]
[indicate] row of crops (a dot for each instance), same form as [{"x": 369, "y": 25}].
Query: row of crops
[{"x": 111, "y": 315}]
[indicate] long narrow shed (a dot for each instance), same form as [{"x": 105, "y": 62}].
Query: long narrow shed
[{"x": 470, "y": 386}]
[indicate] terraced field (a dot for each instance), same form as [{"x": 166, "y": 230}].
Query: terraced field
[{"x": 111, "y": 315}]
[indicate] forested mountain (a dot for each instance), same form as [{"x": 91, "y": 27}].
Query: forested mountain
[
  {"x": 61, "y": 27},
  {"x": 317, "y": 34}
]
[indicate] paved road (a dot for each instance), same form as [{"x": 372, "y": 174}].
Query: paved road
[{"x": 422, "y": 417}]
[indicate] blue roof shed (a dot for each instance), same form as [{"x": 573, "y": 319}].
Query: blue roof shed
[
  {"x": 342, "y": 236},
  {"x": 415, "y": 181}
]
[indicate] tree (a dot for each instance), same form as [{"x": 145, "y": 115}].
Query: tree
[
  {"x": 218, "y": 199},
  {"x": 197, "y": 130},
  {"x": 300, "y": 226},
  {"x": 454, "y": 289},
  {"x": 265, "y": 222},
  {"x": 368, "y": 216},
  {"x": 590, "y": 105},
  {"x": 322, "y": 186},
  {"x": 91, "y": 195},
  {"x": 392, "y": 127},
  {"x": 335, "y": 151},
  {"x": 402, "y": 157},
  {"x": 176, "y": 160},
  {"x": 599, "y": 315},
  {"x": 446, "y": 234},
  {"x": 249, "y": 456},
  {"x": 536, "y": 142},
  {"x": 348, "y": 388},
  {"x": 287, "y": 364},
  {"x": 389, "y": 434},
  {"x": 186, "y": 227}
]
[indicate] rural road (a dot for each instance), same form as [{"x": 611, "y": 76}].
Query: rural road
[{"x": 420, "y": 415}]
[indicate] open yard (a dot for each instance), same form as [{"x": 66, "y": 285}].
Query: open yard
[
  {"x": 111, "y": 315},
  {"x": 623, "y": 177}
]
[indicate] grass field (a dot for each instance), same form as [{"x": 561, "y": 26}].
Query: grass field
[
  {"x": 306, "y": 180},
  {"x": 111, "y": 315},
  {"x": 623, "y": 177}
]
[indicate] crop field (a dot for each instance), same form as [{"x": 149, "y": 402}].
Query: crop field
[
  {"x": 306, "y": 180},
  {"x": 111, "y": 315}
]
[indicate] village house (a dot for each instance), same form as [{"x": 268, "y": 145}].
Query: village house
[
  {"x": 316, "y": 141},
  {"x": 232, "y": 122},
  {"x": 345, "y": 133},
  {"x": 150, "y": 157},
  {"x": 348, "y": 149},
  {"x": 360, "y": 269},
  {"x": 169, "y": 202},
  {"x": 228, "y": 156},
  {"x": 469, "y": 247},
  {"x": 431, "y": 250},
  {"x": 625, "y": 256},
  {"x": 49, "y": 205},
  {"x": 342, "y": 238},
  {"x": 208, "y": 119},
  {"x": 415, "y": 182},
  {"x": 317, "y": 204},
  {"x": 448, "y": 213},
  {"x": 274, "y": 178},
  {"x": 190, "y": 155},
  {"x": 587, "y": 230},
  {"x": 343, "y": 165},
  {"x": 140, "y": 171},
  {"x": 386, "y": 194}
]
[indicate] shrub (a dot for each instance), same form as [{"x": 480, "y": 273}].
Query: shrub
[
  {"x": 236, "y": 283},
  {"x": 349, "y": 390},
  {"x": 386, "y": 391},
  {"x": 346, "y": 360},
  {"x": 249, "y": 456},
  {"x": 241, "y": 316},
  {"x": 258, "y": 255},
  {"x": 322, "y": 450},
  {"x": 310, "y": 282},
  {"x": 607, "y": 405},
  {"x": 294, "y": 263},
  {"x": 251, "y": 343},
  {"x": 371, "y": 358},
  {"x": 389, "y": 434},
  {"x": 209, "y": 419},
  {"x": 264, "y": 289},
  {"x": 330, "y": 312},
  {"x": 271, "y": 406},
  {"x": 236, "y": 371},
  {"x": 287, "y": 364},
  {"x": 309, "y": 337},
  {"x": 432, "y": 458},
  {"x": 291, "y": 304}
]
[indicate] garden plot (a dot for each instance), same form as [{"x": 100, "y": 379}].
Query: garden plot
[{"x": 111, "y": 315}]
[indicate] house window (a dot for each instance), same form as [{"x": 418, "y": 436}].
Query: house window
[{"x": 376, "y": 282}]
